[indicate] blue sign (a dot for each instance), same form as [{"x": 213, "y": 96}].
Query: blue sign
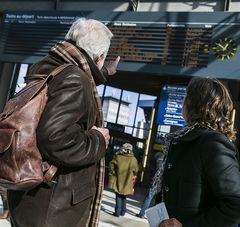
[{"x": 170, "y": 107}]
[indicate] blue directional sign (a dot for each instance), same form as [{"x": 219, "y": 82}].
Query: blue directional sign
[{"x": 170, "y": 107}]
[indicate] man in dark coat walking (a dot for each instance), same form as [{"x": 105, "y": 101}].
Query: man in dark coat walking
[{"x": 70, "y": 134}]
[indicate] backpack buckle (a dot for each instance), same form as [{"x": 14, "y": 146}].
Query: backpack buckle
[{"x": 6, "y": 115}]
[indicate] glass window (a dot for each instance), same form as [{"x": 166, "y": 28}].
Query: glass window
[
  {"x": 128, "y": 109},
  {"x": 21, "y": 75},
  {"x": 143, "y": 116},
  {"x": 111, "y": 104},
  {"x": 131, "y": 109},
  {"x": 100, "y": 90}
]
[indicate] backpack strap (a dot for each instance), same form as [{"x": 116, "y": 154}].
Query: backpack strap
[
  {"x": 38, "y": 76},
  {"x": 59, "y": 69},
  {"x": 39, "y": 84},
  {"x": 49, "y": 170},
  {"x": 36, "y": 83}
]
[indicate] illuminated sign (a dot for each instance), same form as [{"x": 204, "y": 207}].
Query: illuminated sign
[{"x": 170, "y": 107}]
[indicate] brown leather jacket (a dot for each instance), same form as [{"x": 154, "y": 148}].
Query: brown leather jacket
[{"x": 65, "y": 138}]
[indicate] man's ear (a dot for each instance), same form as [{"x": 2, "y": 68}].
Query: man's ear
[{"x": 99, "y": 58}]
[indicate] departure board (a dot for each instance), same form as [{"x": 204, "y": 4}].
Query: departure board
[
  {"x": 28, "y": 34},
  {"x": 148, "y": 42},
  {"x": 182, "y": 46}
]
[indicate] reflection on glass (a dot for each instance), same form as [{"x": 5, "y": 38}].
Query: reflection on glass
[
  {"x": 111, "y": 104},
  {"x": 140, "y": 124},
  {"x": 100, "y": 89},
  {"x": 127, "y": 110},
  {"x": 162, "y": 131},
  {"x": 21, "y": 75},
  {"x": 143, "y": 116}
]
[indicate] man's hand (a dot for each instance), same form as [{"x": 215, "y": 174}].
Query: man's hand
[
  {"x": 172, "y": 222},
  {"x": 111, "y": 66},
  {"x": 105, "y": 133}
]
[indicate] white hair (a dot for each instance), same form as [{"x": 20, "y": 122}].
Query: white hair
[{"x": 91, "y": 35}]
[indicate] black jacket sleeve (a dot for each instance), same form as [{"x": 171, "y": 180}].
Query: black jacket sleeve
[
  {"x": 221, "y": 168},
  {"x": 64, "y": 134}
]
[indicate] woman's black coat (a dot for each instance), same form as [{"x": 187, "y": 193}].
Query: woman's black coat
[{"x": 201, "y": 181}]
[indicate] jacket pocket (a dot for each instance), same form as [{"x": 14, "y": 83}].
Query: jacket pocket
[
  {"x": 112, "y": 182},
  {"x": 82, "y": 193}
]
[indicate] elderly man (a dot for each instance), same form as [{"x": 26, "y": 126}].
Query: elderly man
[{"x": 70, "y": 133}]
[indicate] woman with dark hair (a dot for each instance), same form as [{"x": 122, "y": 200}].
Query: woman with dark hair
[{"x": 199, "y": 180}]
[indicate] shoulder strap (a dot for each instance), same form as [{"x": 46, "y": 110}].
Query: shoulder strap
[
  {"x": 59, "y": 69},
  {"x": 30, "y": 91},
  {"x": 55, "y": 72},
  {"x": 39, "y": 77},
  {"x": 39, "y": 84}
]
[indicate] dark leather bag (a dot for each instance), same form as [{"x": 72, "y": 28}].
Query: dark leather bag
[{"x": 21, "y": 164}]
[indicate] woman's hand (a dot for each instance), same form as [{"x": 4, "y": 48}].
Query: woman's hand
[{"x": 172, "y": 222}]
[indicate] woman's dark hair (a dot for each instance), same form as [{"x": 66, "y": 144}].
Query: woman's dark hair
[{"x": 209, "y": 104}]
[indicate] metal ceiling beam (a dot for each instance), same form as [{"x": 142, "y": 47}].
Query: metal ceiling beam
[
  {"x": 227, "y": 5},
  {"x": 56, "y": 4},
  {"x": 133, "y": 5}
]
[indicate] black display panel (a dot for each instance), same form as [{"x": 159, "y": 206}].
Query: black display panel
[
  {"x": 30, "y": 34},
  {"x": 165, "y": 43}
]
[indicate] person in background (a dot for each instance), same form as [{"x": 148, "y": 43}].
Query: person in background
[
  {"x": 200, "y": 184},
  {"x": 159, "y": 156},
  {"x": 5, "y": 213},
  {"x": 70, "y": 133},
  {"x": 122, "y": 168}
]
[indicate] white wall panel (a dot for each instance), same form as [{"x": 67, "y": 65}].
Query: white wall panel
[
  {"x": 151, "y": 6},
  {"x": 181, "y": 6},
  {"x": 235, "y": 6}
]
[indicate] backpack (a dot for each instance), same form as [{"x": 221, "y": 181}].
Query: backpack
[{"x": 21, "y": 164}]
